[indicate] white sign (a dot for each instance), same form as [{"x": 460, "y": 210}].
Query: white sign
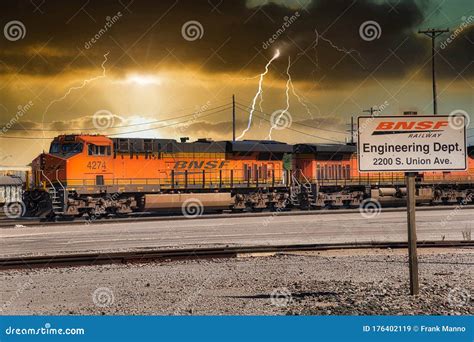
[{"x": 412, "y": 143}]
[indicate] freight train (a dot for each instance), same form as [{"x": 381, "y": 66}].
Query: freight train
[{"x": 99, "y": 176}]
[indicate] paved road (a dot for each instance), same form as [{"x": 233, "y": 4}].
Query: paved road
[{"x": 294, "y": 229}]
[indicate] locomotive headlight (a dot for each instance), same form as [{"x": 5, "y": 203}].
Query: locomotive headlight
[{"x": 42, "y": 162}]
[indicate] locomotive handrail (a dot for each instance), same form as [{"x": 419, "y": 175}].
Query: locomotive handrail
[
  {"x": 63, "y": 199},
  {"x": 213, "y": 180},
  {"x": 51, "y": 183},
  {"x": 57, "y": 178},
  {"x": 382, "y": 180},
  {"x": 307, "y": 181}
]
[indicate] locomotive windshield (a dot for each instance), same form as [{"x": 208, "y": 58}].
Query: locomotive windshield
[{"x": 68, "y": 148}]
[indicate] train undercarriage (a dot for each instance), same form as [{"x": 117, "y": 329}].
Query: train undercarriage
[{"x": 52, "y": 202}]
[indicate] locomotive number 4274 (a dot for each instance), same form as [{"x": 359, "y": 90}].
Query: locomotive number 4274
[{"x": 96, "y": 165}]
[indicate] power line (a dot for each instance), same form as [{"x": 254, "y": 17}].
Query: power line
[
  {"x": 128, "y": 132},
  {"x": 150, "y": 129},
  {"x": 122, "y": 126},
  {"x": 297, "y": 123},
  {"x": 298, "y": 131}
]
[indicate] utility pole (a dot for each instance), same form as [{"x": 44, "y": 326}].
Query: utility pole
[
  {"x": 433, "y": 33},
  {"x": 351, "y": 130},
  {"x": 371, "y": 110},
  {"x": 233, "y": 117}
]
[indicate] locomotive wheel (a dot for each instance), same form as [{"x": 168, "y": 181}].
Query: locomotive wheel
[{"x": 37, "y": 203}]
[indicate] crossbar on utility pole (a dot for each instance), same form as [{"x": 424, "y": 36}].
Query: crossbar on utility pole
[
  {"x": 371, "y": 110},
  {"x": 433, "y": 33}
]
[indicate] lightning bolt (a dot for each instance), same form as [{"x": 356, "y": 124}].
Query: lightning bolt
[
  {"x": 259, "y": 93},
  {"x": 300, "y": 100},
  {"x": 287, "y": 93},
  {"x": 260, "y": 108},
  {"x": 83, "y": 84},
  {"x": 334, "y": 46}
]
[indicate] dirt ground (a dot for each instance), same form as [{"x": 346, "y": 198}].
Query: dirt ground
[{"x": 344, "y": 282}]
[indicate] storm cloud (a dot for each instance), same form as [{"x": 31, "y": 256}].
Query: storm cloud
[{"x": 323, "y": 38}]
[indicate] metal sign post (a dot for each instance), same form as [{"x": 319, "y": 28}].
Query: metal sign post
[
  {"x": 412, "y": 253},
  {"x": 412, "y": 144}
]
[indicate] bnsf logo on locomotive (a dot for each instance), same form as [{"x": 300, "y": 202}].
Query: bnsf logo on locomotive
[{"x": 193, "y": 164}]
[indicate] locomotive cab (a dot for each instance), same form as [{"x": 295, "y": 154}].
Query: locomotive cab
[{"x": 74, "y": 160}]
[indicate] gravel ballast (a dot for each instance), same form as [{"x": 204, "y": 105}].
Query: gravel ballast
[{"x": 359, "y": 282}]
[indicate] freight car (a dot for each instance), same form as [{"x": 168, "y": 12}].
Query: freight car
[
  {"x": 99, "y": 176},
  {"x": 11, "y": 190}
]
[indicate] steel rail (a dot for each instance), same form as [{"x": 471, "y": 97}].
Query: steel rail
[{"x": 163, "y": 254}]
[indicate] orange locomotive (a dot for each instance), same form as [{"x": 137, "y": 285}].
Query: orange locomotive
[{"x": 95, "y": 174}]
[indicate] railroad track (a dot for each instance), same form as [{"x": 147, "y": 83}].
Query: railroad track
[
  {"x": 144, "y": 217},
  {"x": 85, "y": 259}
]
